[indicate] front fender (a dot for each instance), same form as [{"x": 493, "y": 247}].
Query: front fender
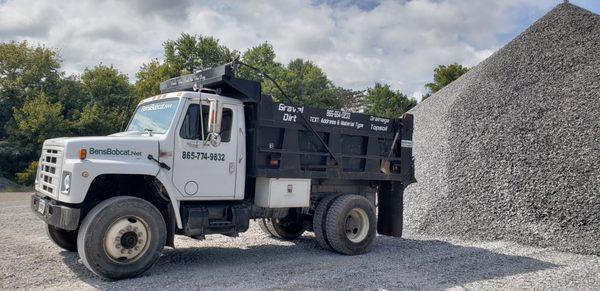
[{"x": 85, "y": 171}]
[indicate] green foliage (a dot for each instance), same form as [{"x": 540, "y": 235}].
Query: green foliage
[
  {"x": 97, "y": 120},
  {"x": 72, "y": 95},
  {"x": 27, "y": 177},
  {"x": 261, "y": 57},
  {"x": 25, "y": 71},
  {"x": 444, "y": 75},
  {"x": 36, "y": 121},
  {"x": 38, "y": 102},
  {"x": 185, "y": 55},
  {"x": 149, "y": 78},
  {"x": 353, "y": 100},
  {"x": 383, "y": 101},
  {"x": 304, "y": 82},
  {"x": 189, "y": 53},
  {"x": 110, "y": 105},
  {"x": 106, "y": 86}
]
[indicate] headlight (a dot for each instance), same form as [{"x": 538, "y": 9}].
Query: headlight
[{"x": 66, "y": 182}]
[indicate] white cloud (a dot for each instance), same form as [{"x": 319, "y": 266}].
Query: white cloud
[{"x": 398, "y": 42}]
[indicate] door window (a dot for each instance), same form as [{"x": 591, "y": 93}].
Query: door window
[{"x": 190, "y": 129}]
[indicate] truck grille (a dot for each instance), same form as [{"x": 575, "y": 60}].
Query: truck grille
[{"x": 49, "y": 176}]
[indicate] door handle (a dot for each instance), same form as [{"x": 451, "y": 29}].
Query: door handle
[
  {"x": 193, "y": 144},
  {"x": 241, "y": 132},
  {"x": 231, "y": 167}
]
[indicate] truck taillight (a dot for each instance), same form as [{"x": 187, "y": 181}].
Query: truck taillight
[{"x": 82, "y": 154}]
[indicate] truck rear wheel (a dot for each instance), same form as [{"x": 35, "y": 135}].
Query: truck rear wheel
[
  {"x": 351, "y": 225},
  {"x": 262, "y": 223},
  {"x": 285, "y": 228},
  {"x": 121, "y": 237},
  {"x": 65, "y": 239},
  {"x": 319, "y": 220}
]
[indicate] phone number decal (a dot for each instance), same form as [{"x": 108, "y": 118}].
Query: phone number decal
[{"x": 203, "y": 156}]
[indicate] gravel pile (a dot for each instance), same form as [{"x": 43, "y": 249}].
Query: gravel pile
[{"x": 511, "y": 150}]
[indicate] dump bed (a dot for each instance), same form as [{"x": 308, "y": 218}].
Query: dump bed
[{"x": 280, "y": 144}]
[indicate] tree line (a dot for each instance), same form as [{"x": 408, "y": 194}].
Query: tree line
[{"x": 39, "y": 101}]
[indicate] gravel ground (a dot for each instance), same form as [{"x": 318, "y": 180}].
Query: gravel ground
[
  {"x": 510, "y": 150},
  {"x": 252, "y": 261}
]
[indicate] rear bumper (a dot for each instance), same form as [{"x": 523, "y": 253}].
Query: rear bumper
[{"x": 56, "y": 215}]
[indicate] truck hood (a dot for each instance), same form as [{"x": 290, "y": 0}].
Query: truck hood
[{"x": 120, "y": 148}]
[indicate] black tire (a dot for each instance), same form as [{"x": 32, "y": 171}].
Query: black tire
[
  {"x": 287, "y": 228},
  {"x": 65, "y": 239},
  {"x": 351, "y": 225},
  {"x": 319, "y": 220},
  {"x": 262, "y": 223},
  {"x": 138, "y": 219}
]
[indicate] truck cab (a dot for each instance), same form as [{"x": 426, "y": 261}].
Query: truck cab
[
  {"x": 164, "y": 132},
  {"x": 211, "y": 153}
]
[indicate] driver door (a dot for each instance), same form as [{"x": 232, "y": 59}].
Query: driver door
[{"x": 201, "y": 169}]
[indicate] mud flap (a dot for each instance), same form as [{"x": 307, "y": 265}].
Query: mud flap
[{"x": 390, "y": 201}]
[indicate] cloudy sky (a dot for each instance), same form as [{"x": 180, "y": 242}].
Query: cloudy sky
[{"x": 357, "y": 43}]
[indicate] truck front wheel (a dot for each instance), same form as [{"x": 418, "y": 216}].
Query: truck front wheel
[
  {"x": 121, "y": 237},
  {"x": 351, "y": 225},
  {"x": 65, "y": 239}
]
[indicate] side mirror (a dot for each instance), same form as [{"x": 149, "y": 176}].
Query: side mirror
[{"x": 215, "y": 115}]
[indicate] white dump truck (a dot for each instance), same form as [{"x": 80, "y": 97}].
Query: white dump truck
[{"x": 211, "y": 153}]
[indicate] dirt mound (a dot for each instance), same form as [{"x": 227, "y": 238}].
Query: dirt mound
[{"x": 511, "y": 150}]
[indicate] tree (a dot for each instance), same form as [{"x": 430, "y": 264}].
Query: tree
[
  {"x": 303, "y": 81},
  {"x": 383, "y": 101},
  {"x": 353, "y": 100},
  {"x": 73, "y": 97},
  {"x": 111, "y": 98},
  {"x": 185, "y": 55},
  {"x": 96, "y": 120},
  {"x": 25, "y": 71},
  {"x": 106, "y": 86},
  {"x": 305, "y": 84},
  {"x": 149, "y": 78},
  {"x": 37, "y": 120},
  {"x": 262, "y": 57},
  {"x": 444, "y": 75},
  {"x": 190, "y": 53}
]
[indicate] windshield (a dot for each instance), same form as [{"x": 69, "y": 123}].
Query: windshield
[{"x": 155, "y": 117}]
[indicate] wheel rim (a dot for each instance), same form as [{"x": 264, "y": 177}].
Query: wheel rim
[
  {"x": 126, "y": 239},
  {"x": 357, "y": 225}
]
